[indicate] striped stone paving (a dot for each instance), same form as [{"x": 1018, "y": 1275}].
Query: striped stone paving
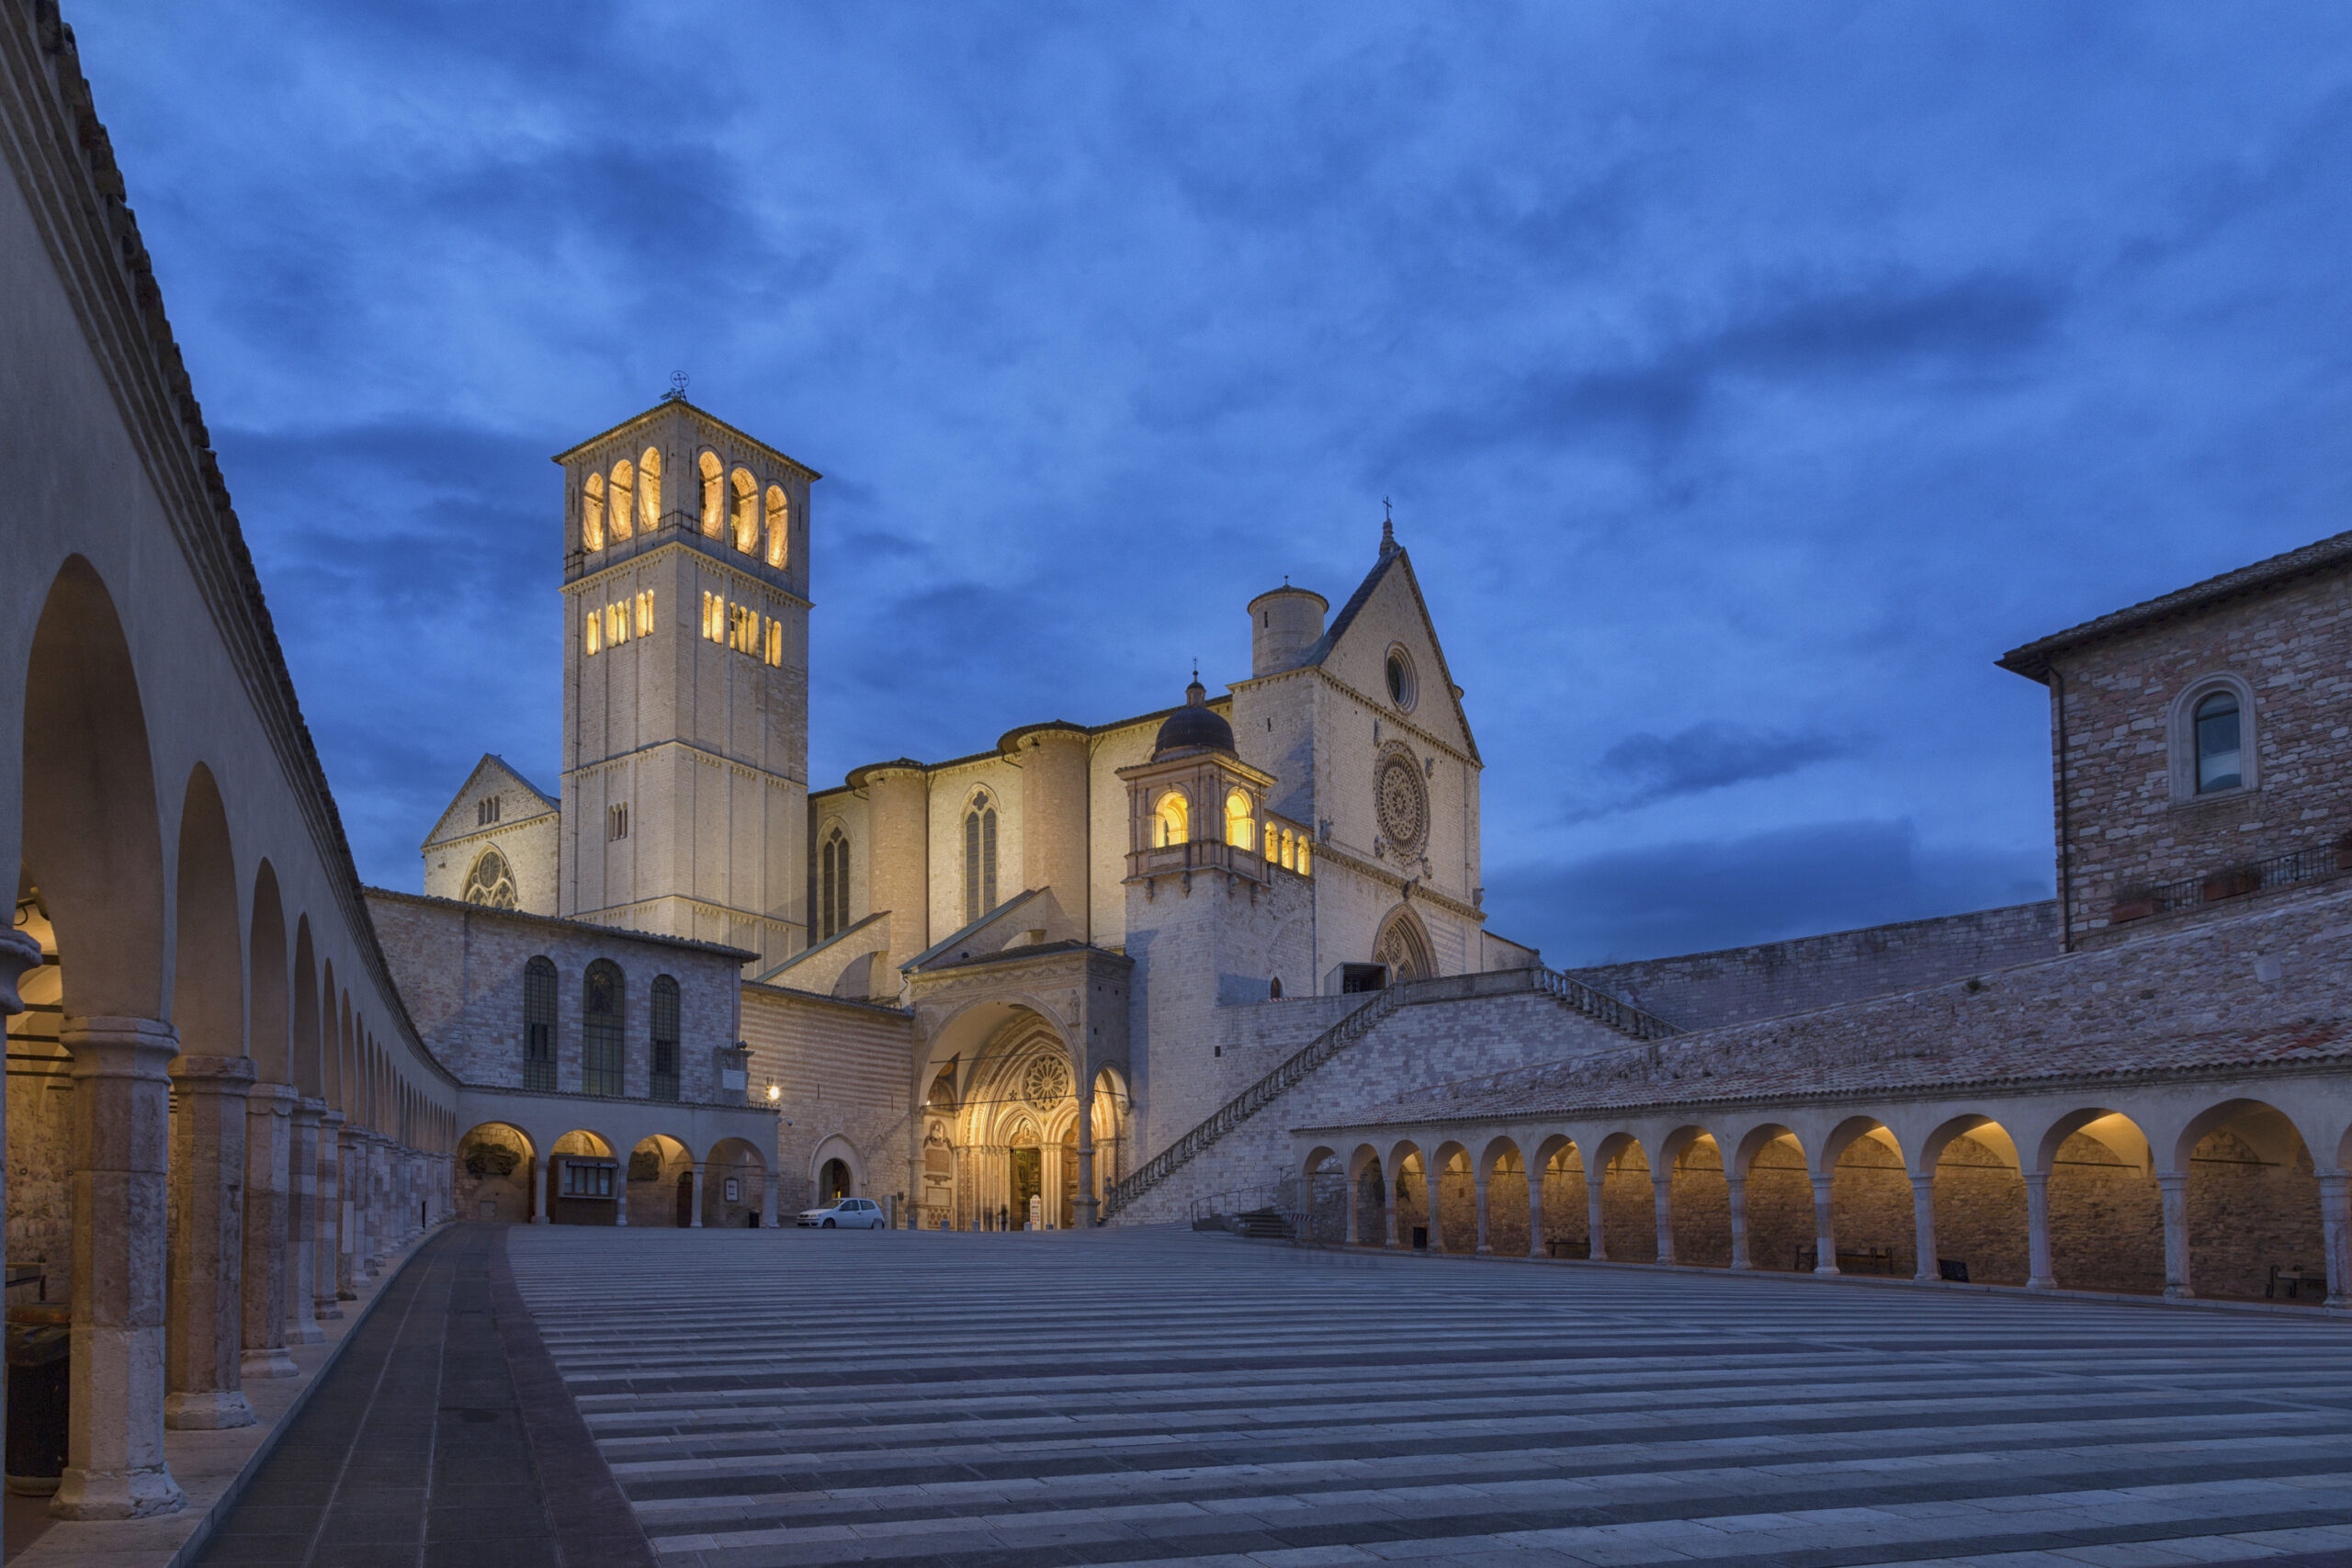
[{"x": 779, "y": 1397}]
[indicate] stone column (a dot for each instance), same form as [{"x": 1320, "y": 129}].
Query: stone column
[
  {"x": 1391, "y": 1201},
  {"x": 693, "y": 1221},
  {"x": 1082, "y": 1213},
  {"x": 1356, "y": 1199},
  {"x": 1535, "y": 1211},
  {"x": 1824, "y": 1230},
  {"x": 326, "y": 1271},
  {"x": 1662, "y": 1200},
  {"x": 302, "y": 1222},
  {"x": 2037, "y": 1230},
  {"x": 2335, "y": 1229},
  {"x": 1478, "y": 1185},
  {"x": 541, "y": 1168},
  {"x": 1735, "y": 1190},
  {"x": 270, "y": 1109},
  {"x": 1923, "y": 1228},
  {"x": 1433, "y": 1193},
  {"x": 203, "y": 1340},
  {"x": 768, "y": 1202},
  {"x": 123, "y": 1107},
  {"x": 1597, "y": 1250},
  {"x": 2174, "y": 1187}
]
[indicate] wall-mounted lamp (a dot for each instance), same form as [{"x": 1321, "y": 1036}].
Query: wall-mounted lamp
[{"x": 776, "y": 1093}]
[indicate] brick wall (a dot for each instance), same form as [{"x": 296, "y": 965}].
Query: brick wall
[
  {"x": 846, "y": 1070},
  {"x": 1705, "y": 991}
]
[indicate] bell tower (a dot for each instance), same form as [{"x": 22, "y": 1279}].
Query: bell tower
[{"x": 685, "y": 683}]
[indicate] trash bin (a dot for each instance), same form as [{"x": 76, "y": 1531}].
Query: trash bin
[{"x": 39, "y": 1349}]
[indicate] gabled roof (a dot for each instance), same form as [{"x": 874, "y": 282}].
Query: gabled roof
[
  {"x": 1393, "y": 558},
  {"x": 2329, "y": 555},
  {"x": 768, "y": 977},
  {"x": 965, "y": 933},
  {"x": 498, "y": 767}
]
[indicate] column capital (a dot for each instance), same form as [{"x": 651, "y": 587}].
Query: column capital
[
  {"x": 271, "y": 1100},
  {"x": 307, "y": 1109},
  {"x": 333, "y": 1117},
  {"x": 200, "y": 1074},
  {"x": 120, "y": 1047},
  {"x": 2172, "y": 1178}
]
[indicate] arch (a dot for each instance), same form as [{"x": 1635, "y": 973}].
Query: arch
[
  {"x": 303, "y": 1058},
  {"x": 979, "y": 856},
  {"x": 620, "y": 517},
  {"x": 271, "y": 1019},
  {"x": 660, "y": 1182},
  {"x": 93, "y": 840},
  {"x": 1698, "y": 1199},
  {"x": 2188, "y": 736},
  {"x": 1978, "y": 1215},
  {"x": 1171, "y": 819},
  {"x": 1367, "y": 1197},
  {"x": 663, "y": 1036},
  {"x": 746, "y": 511},
  {"x": 491, "y": 880},
  {"x": 1501, "y": 1172},
  {"x": 1618, "y": 1183},
  {"x": 779, "y": 519},
  {"x": 833, "y": 903},
  {"x": 2249, "y": 1208},
  {"x": 2104, "y": 1212},
  {"x": 1315, "y": 1159},
  {"x": 714, "y": 483},
  {"x": 1871, "y": 1221},
  {"x": 649, "y": 491},
  {"x": 1240, "y": 821},
  {"x": 737, "y": 1161},
  {"x": 585, "y": 1184},
  {"x": 1774, "y": 1174},
  {"x": 592, "y": 513},
  {"x": 208, "y": 953},
  {"x": 1404, "y": 946},
  {"x": 1408, "y": 1180},
  {"x": 604, "y": 1006},
  {"x": 495, "y": 1178}
]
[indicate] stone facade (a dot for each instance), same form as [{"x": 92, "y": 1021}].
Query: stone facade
[{"x": 500, "y": 844}]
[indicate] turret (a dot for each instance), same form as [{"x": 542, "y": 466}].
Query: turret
[{"x": 1284, "y": 625}]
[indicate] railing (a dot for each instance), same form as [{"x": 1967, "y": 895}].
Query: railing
[
  {"x": 1598, "y": 1005},
  {"x": 1603, "y": 1008},
  {"x": 2235, "y": 882}
]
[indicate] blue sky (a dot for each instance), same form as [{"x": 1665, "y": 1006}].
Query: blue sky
[{"x": 1746, "y": 379}]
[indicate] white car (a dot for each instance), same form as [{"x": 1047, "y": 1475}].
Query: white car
[{"x": 848, "y": 1214}]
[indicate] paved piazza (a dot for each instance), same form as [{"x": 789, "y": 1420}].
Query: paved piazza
[{"x": 1153, "y": 1395}]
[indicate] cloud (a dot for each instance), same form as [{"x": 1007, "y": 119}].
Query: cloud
[
  {"x": 1643, "y": 769},
  {"x": 1694, "y": 897}
]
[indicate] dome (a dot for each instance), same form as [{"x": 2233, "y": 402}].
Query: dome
[{"x": 1192, "y": 725}]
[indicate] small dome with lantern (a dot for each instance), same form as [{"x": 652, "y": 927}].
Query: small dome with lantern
[{"x": 1192, "y": 727}]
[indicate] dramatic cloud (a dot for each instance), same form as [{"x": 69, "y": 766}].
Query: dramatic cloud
[{"x": 1746, "y": 378}]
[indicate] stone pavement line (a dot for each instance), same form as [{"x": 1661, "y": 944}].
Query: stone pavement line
[
  {"x": 422, "y": 1447},
  {"x": 786, "y": 1398}
]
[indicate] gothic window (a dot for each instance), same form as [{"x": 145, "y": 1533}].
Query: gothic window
[
  {"x": 486, "y": 811},
  {"x": 664, "y": 1082},
  {"x": 538, "y": 1025},
  {"x": 648, "y": 492},
  {"x": 1240, "y": 824},
  {"x": 712, "y": 474},
  {"x": 616, "y": 821},
  {"x": 2217, "y": 743},
  {"x": 979, "y": 858},
  {"x": 1402, "y": 950},
  {"x": 1171, "y": 820},
  {"x": 747, "y": 513},
  {"x": 592, "y": 513},
  {"x": 624, "y": 514},
  {"x": 833, "y": 902},
  {"x": 600, "y": 1029},
  {"x": 779, "y": 527},
  {"x": 490, "y": 881}
]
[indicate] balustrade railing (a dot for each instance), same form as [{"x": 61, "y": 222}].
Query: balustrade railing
[{"x": 2233, "y": 881}]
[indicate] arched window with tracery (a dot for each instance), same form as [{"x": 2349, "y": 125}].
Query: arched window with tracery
[
  {"x": 779, "y": 527},
  {"x": 713, "y": 476},
  {"x": 747, "y": 513},
  {"x": 624, "y": 496},
  {"x": 490, "y": 881},
  {"x": 592, "y": 513},
  {"x": 1171, "y": 820},
  {"x": 980, "y": 857},
  {"x": 1240, "y": 821},
  {"x": 833, "y": 904},
  {"x": 600, "y": 1028},
  {"x": 649, "y": 491},
  {"x": 663, "y": 1084},
  {"x": 538, "y": 1025}
]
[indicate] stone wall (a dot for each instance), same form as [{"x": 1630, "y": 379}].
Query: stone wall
[
  {"x": 1706, "y": 991},
  {"x": 846, "y": 1070}
]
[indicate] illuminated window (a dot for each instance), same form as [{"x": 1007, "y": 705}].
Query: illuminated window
[
  {"x": 713, "y": 616},
  {"x": 1172, "y": 821},
  {"x": 779, "y": 527},
  {"x": 592, "y": 513},
  {"x": 648, "y": 492},
  {"x": 622, "y": 517},
  {"x": 538, "y": 1025},
  {"x": 713, "y": 472},
  {"x": 664, "y": 1032},
  {"x": 2217, "y": 744},
  {"x": 588, "y": 1178},
  {"x": 979, "y": 858},
  {"x": 616, "y": 624},
  {"x": 1239, "y": 825},
  {"x": 600, "y": 1029},
  {"x": 1302, "y": 854},
  {"x": 596, "y": 631},
  {"x": 775, "y": 644},
  {"x": 491, "y": 882},
  {"x": 645, "y": 614},
  {"x": 747, "y": 513},
  {"x": 1290, "y": 852},
  {"x": 616, "y": 821}
]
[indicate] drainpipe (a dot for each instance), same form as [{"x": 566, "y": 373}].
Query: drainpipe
[{"x": 2065, "y": 825}]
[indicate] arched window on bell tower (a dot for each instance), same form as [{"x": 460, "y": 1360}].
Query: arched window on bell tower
[
  {"x": 713, "y": 476},
  {"x": 980, "y": 857}
]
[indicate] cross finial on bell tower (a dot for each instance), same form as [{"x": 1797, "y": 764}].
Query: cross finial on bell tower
[{"x": 1387, "y": 529}]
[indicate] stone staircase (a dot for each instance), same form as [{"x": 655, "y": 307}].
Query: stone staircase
[{"x": 1575, "y": 995}]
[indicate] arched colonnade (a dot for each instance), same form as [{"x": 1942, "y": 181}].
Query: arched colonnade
[
  {"x": 2227, "y": 1190},
  {"x": 535, "y": 1161}
]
